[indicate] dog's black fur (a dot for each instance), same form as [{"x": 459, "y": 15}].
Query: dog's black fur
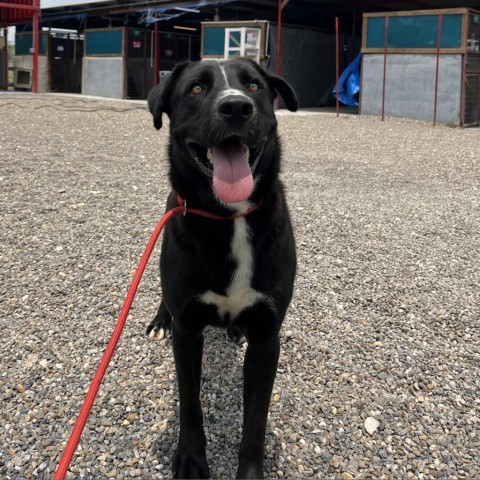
[{"x": 207, "y": 103}]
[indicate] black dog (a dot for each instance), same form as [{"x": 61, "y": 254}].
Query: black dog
[{"x": 238, "y": 273}]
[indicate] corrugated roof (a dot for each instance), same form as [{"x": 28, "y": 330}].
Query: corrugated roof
[{"x": 17, "y": 11}]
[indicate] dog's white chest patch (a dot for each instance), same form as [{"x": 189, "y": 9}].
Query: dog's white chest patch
[{"x": 240, "y": 294}]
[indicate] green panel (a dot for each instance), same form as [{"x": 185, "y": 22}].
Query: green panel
[
  {"x": 104, "y": 42},
  {"x": 415, "y": 31},
  {"x": 213, "y": 40},
  {"x": 24, "y": 42}
]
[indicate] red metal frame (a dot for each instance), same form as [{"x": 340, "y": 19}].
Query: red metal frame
[
  {"x": 281, "y": 5},
  {"x": 439, "y": 39},
  {"x": 24, "y": 11},
  {"x": 155, "y": 55},
  {"x": 36, "y": 45},
  {"x": 5, "y": 47}
]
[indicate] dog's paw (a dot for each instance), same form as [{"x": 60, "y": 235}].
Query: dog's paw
[
  {"x": 236, "y": 335},
  {"x": 161, "y": 326},
  {"x": 190, "y": 464},
  {"x": 158, "y": 330},
  {"x": 250, "y": 473},
  {"x": 155, "y": 332}
]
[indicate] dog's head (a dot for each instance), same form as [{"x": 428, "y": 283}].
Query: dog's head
[{"x": 222, "y": 121}]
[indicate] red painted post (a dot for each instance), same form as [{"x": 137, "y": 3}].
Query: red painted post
[
  {"x": 155, "y": 53},
  {"x": 35, "y": 52},
  {"x": 279, "y": 46},
  {"x": 385, "y": 46},
  {"x": 5, "y": 73},
  {"x": 439, "y": 40},
  {"x": 337, "y": 103}
]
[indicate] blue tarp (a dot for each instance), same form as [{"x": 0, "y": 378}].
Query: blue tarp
[{"x": 349, "y": 83}]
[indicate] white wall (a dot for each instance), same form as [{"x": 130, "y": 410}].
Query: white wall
[
  {"x": 410, "y": 86},
  {"x": 103, "y": 76}
]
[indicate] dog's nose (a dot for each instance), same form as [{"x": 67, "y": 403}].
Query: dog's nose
[{"x": 235, "y": 108}]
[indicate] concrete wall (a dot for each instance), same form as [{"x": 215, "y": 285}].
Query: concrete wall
[
  {"x": 26, "y": 61},
  {"x": 410, "y": 86},
  {"x": 103, "y": 76}
]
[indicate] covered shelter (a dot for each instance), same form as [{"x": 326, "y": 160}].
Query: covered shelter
[
  {"x": 15, "y": 12},
  {"x": 134, "y": 44}
]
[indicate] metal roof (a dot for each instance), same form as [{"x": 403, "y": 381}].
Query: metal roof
[
  {"x": 308, "y": 13},
  {"x": 17, "y": 11}
]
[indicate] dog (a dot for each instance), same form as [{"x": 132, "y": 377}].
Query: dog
[{"x": 236, "y": 273}]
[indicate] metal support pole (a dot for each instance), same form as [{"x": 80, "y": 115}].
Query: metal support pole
[
  {"x": 278, "y": 65},
  {"x": 337, "y": 69},
  {"x": 155, "y": 53},
  {"x": 5, "y": 36},
  {"x": 439, "y": 40},
  {"x": 279, "y": 38},
  {"x": 36, "y": 44},
  {"x": 385, "y": 46},
  {"x": 281, "y": 5}
]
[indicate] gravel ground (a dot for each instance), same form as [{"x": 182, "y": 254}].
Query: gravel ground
[{"x": 379, "y": 373}]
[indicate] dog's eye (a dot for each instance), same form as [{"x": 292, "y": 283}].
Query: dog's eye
[
  {"x": 196, "y": 89},
  {"x": 253, "y": 87}
]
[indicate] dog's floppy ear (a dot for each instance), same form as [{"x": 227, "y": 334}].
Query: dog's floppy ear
[
  {"x": 285, "y": 90},
  {"x": 279, "y": 86},
  {"x": 158, "y": 98}
]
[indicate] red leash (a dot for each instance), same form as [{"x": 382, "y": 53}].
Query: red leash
[{"x": 122, "y": 318}]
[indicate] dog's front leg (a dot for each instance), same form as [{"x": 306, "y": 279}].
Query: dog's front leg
[
  {"x": 261, "y": 360},
  {"x": 190, "y": 460}
]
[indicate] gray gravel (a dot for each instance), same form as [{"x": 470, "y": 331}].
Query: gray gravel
[{"x": 379, "y": 374}]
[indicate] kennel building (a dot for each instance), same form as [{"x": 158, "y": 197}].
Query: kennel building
[
  {"x": 422, "y": 64},
  {"x": 18, "y": 12},
  {"x": 307, "y": 61},
  {"x": 59, "y": 61},
  {"x": 119, "y": 62}
]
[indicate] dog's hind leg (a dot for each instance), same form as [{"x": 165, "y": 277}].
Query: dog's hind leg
[{"x": 161, "y": 324}]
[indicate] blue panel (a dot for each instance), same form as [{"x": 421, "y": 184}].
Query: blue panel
[
  {"x": 24, "y": 42},
  {"x": 415, "y": 31},
  {"x": 213, "y": 40},
  {"x": 104, "y": 42}
]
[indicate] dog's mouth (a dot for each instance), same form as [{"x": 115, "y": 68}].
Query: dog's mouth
[{"x": 231, "y": 163}]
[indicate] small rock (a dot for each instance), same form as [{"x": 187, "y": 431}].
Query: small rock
[
  {"x": 371, "y": 425},
  {"x": 353, "y": 466}
]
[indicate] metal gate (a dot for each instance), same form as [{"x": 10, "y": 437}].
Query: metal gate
[
  {"x": 65, "y": 57},
  {"x": 471, "y": 97}
]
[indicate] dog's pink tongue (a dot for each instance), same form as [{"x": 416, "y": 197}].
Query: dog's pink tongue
[{"x": 232, "y": 177}]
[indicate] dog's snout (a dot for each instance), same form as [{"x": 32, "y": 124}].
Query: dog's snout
[{"x": 235, "y": 108}]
